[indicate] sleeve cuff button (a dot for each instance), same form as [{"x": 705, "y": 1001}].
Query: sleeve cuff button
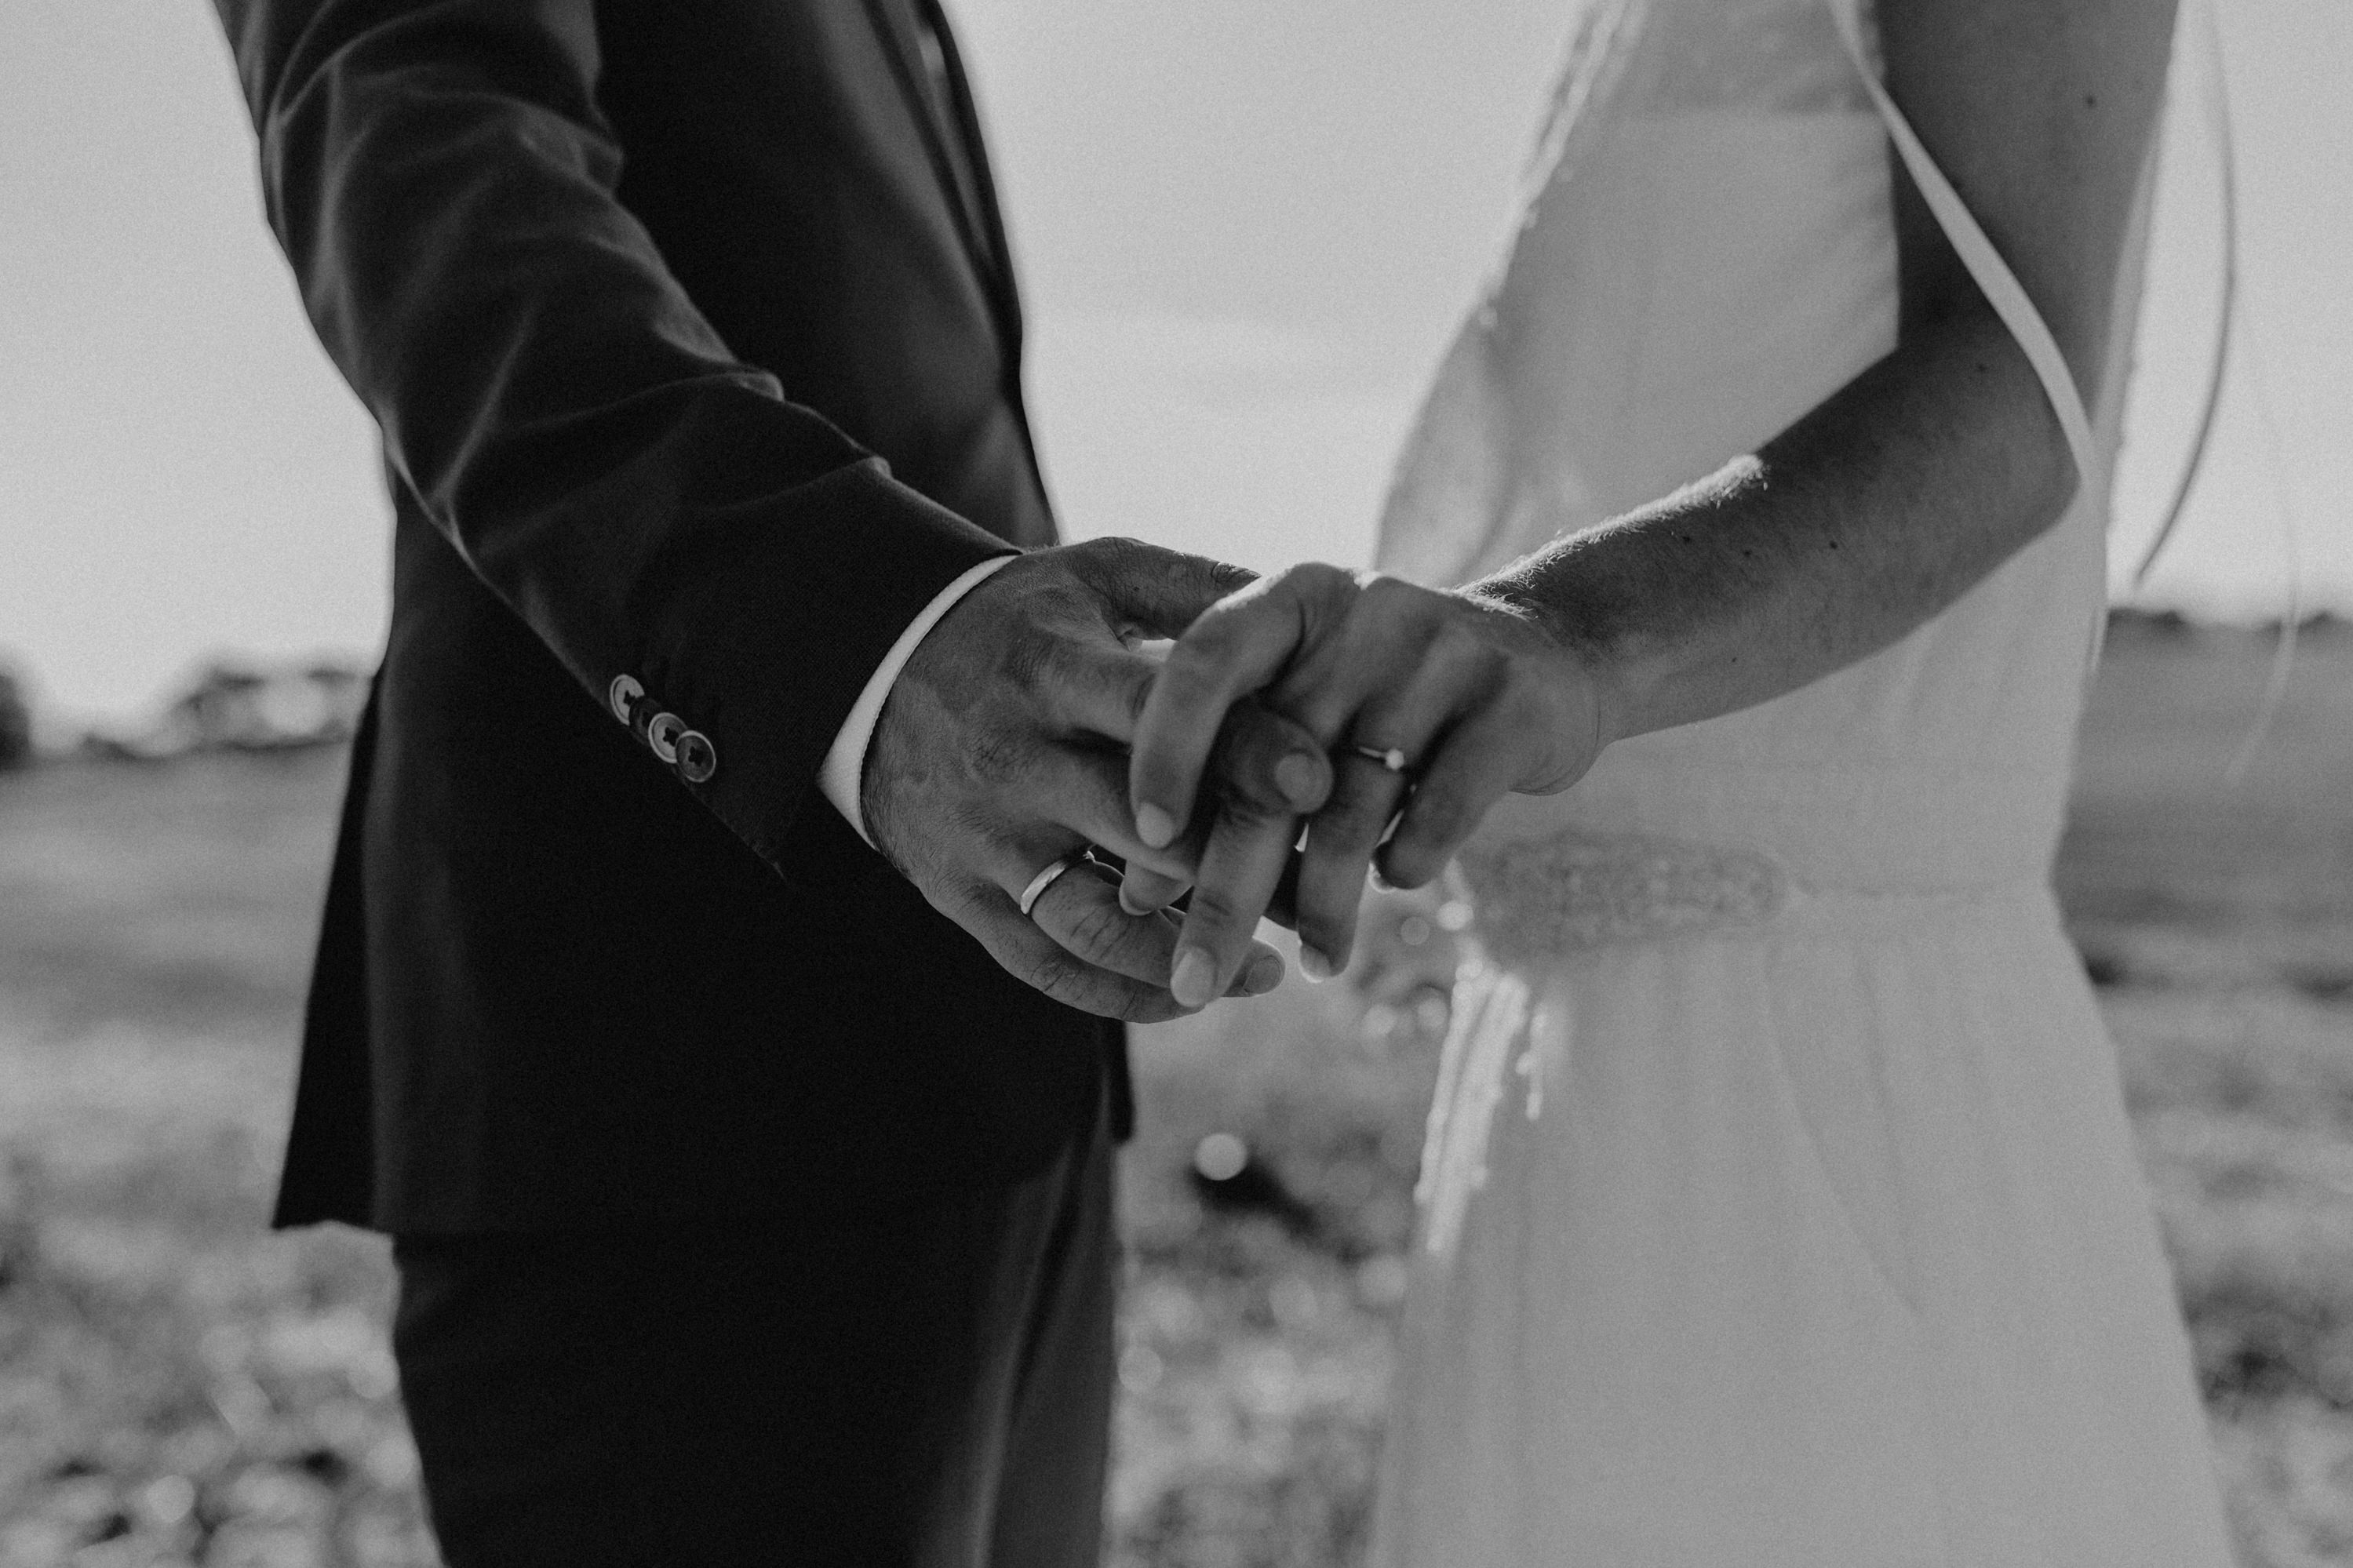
[
  {"x": 662, "y": 735},
  {"x": 624, "y": 692},
  {"x": 698, "y": 758}
]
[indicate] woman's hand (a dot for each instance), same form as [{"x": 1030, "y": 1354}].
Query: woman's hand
[{"x": 1433, "y": 706}]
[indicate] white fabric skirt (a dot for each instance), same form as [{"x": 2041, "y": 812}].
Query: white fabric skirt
[{"x": 1822, "y": 1243}]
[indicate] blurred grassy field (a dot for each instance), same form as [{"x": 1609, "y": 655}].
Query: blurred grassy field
[{"x": 177, "y": 1386}]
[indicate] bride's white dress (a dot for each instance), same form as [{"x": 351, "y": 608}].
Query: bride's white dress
[{"x": 1780, "y": 1206}]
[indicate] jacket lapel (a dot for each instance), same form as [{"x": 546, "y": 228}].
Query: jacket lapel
[
  {"x": 992, "y": 218},
  {"x": 976, "y": 220}
]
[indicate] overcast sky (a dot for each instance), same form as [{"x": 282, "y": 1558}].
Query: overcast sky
[{"x": 1245, "y": 226}]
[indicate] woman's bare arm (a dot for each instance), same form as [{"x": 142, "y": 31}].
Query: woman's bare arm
[{"x": 1906, "y": 487}]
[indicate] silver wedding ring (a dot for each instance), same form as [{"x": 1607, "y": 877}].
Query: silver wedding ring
[
  {"x": 1045, "y": 879},
  {"x": 1392, "y": 758}
]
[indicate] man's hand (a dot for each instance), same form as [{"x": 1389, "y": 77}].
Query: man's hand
[
  {"x": 1003, "y": 747},
  {"x": 1433, "y": 706}
]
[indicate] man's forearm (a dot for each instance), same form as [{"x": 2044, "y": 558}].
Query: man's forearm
[
  {"x": 447, "y": 191},
  {"x": 1837, "y": 538}
]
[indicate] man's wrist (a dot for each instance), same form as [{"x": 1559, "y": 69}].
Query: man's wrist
[{"x": 841, "y": 775}]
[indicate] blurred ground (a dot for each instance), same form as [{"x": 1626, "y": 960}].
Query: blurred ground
[{"x": 176, "y": 1386}]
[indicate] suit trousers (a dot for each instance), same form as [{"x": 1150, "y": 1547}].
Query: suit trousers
[{"x": 924, "y": 1387}]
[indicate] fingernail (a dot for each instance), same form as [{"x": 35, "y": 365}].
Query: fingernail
[
  {"x": 1193, "y": 980},
  {"x": 1154, "y": 827},
  {"x": 1314, "y": 964},
  {"x": 1265, "y": 973},
  {"x": 1295, "y": 777},
  {"x": 1130, "y": 904}
]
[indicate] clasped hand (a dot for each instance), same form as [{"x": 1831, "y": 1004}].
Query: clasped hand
[
  {"x": 1000, "y": 759},
  {"x": 1431, "y": 706}
]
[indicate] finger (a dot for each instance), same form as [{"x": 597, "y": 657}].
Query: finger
[
  {"x": 1390, "y": 652},
  {"x": 1473, "y": 766},
  {"x": 1084, "y": 790},
  {"x": 1142, "y": 888},
  {"x": 1270, "y": 762},
  {"x": 1341, "y": 839},
  {"x": 1099, "y": 688},
  {"x": 1267, "y": 772},
  {"x": 1283, "y": 908},
  {"x": 1081, "y": 910},
  {"x": 1152, "y": 890},
  {"x": 1241, "y": 866},
  {"x": 1154, "y": 591},
  {"x": 1155, "y": 892},
  {"x": 1029, "y": 956},
  {"x": 1235, "y": 647},
  {"x": 1262, "y": 760},
  {"x": 1261, "y": 972},
  {"x": 1268, "y": 759}
]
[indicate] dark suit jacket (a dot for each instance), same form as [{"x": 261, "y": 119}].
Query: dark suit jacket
[{"x": 645, "y": 295}]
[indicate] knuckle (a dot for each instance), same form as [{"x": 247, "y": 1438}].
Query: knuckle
[
  {"x": 1212, "y": 912},
  {"x": 1330, "y": 596},
  {"x": 1350, "y": 822},
  {"x": 1463, "y": 654},
  {"x": 1355, "y": 829},
  {"x": 1062, "y": 979},
  {"x": 1442, "y": 816},
  {"x": 1322, "y": 578},
  {"x": 1024, "y": 656},
  {"x": 1099, "y": 931},
  {"x": 1514, "y": 703},
  {"x": 1044, "y": 969},
  {"x": 998, "y": 757},
  {"x": 1247, "y": 804},
  {"x": 1112, "y": 553}
]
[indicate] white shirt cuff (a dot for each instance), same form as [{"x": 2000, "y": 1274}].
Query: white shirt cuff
[{"x": 845, "y": 764}]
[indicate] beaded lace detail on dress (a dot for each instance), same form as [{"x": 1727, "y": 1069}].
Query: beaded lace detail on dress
[{"x": 1574, "y": 889}]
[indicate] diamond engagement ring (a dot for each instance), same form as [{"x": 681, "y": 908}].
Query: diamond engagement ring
[
  {"x": 1391, "y": 758},
  {"x": 1045, "y": 879}
]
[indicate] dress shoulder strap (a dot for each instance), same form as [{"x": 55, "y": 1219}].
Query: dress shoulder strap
[{"x": 1978, "y": 254}]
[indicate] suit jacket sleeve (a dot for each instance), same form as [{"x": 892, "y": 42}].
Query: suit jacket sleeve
[{"x": 443, "y": 184}]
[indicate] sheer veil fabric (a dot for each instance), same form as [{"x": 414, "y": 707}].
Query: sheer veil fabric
[{"x": 1778, "y": 1205}]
